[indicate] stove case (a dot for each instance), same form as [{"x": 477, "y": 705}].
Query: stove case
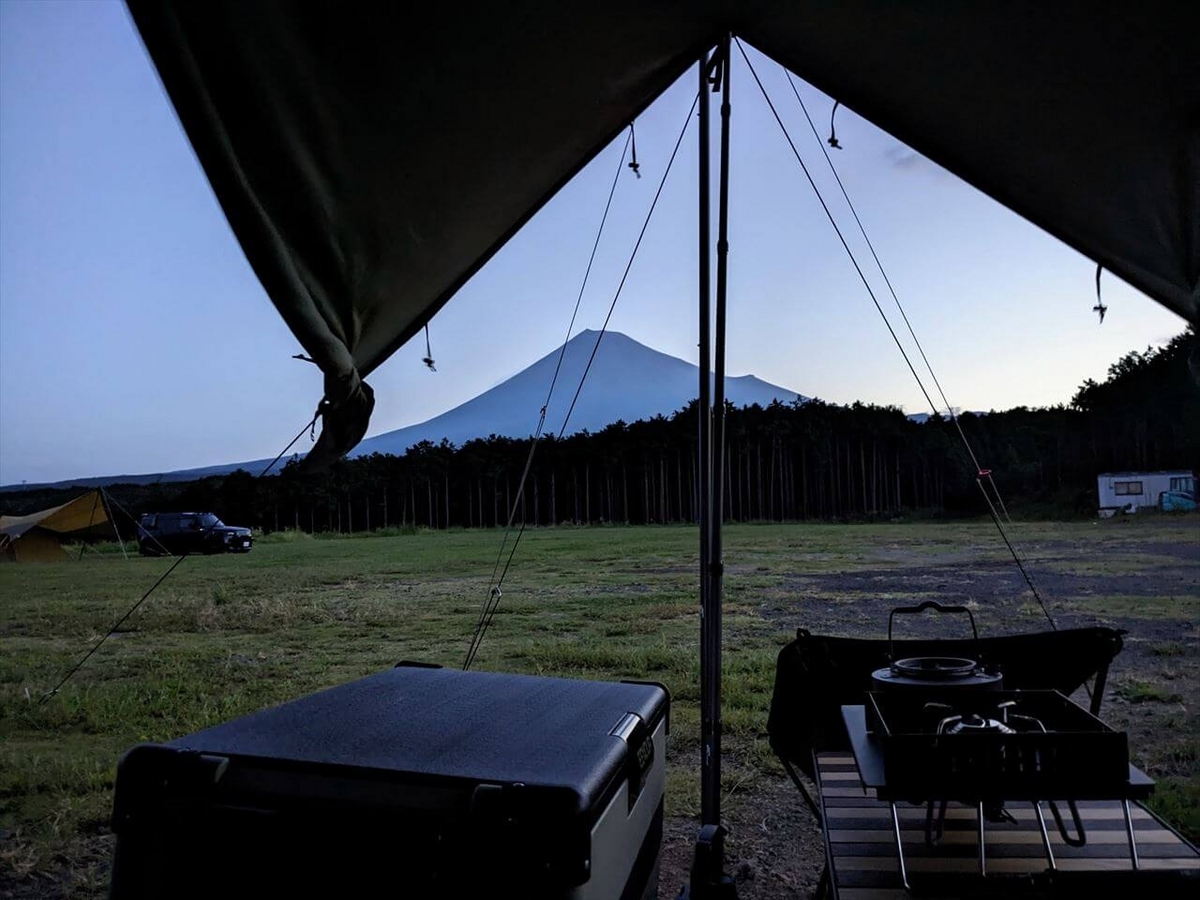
[
  {"x": 1077, "y": 756},
  {"x": 415, "y": 782}
]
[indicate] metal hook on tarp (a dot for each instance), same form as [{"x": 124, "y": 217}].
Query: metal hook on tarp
[
  {"x": 633, "y": 163},
  {"x": 833, "y": 141},
  {"x": 428, "y": 358},
  {"x": 1099, "y": 307}
]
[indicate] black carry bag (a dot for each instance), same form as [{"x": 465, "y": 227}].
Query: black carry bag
[{"x": 416, "y": 782}]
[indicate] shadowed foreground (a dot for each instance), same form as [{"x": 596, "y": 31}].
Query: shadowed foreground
[{"x": 227, "y": 635}]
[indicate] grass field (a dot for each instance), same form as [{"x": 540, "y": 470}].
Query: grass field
[{"x": 227, "y": 635}]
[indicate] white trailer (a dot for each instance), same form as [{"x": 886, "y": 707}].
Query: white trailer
[{"x": 1131, "y": 491}]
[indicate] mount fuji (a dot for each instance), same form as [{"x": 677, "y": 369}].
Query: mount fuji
[{"x": 627, "y": 381}]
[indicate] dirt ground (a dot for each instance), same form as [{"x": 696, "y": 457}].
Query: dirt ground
[{"x": 774, "y": 847}]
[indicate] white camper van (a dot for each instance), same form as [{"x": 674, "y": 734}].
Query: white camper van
[{"x": 1131, "y": 491}]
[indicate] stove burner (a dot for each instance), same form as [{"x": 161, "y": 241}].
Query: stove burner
[
  {"x": 972, "y": 723},
  {"x": 946, "y": 718}
]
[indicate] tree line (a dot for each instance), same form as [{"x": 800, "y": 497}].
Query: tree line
[{"x": 810, "y": 460}]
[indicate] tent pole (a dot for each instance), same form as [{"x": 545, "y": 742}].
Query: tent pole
[
  {"x": 709, "y": 798},
  {"x": 716, "y": 556},
  {"x": 91, "y": 522},
  {"x": 708, "y": 879},
  {"x": 710, "y": 643},
  {"x": 108, "y": 511}
]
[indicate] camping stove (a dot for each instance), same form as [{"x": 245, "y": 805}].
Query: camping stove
[
  {"x": 989, "y": 748},
  {"x": 946, "y": 730},
  {"x": 1002, "y": 745}
]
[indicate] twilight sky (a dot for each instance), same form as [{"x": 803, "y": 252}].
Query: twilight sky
[{"x": 135, "y": 338}]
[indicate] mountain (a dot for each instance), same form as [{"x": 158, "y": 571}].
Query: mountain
[{"x": 627, "y": 381}]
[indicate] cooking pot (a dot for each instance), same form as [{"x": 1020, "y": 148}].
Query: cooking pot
[{"x": 936, "y": 673}]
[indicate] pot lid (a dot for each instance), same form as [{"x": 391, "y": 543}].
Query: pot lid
[{"x": 935, "y": 668}]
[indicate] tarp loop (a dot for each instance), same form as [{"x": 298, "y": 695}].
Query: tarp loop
[
  {"x": 633, "y": 163},
  {"x": 833, "y": 141},
  {"x": 303, "y": 358},
  {"x": 345, "y": 412},
  {"x": 428, "y": 358},
  {"x": 1099, "y": 307}
]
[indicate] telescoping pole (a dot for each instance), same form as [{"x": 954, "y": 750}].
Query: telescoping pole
[
  {"x": 716, "y": 556},
  {"x": 710, "y": 803},
  {"x": 708, "y": 879}
]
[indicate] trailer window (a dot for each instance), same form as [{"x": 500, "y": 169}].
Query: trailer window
[
  {"x": 1122, "y": 488},
  {"x": 1186, "y": 483}
]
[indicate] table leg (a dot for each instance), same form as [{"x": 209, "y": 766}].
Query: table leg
[
  {"x": 982, "y": 850},
  {"x": 1037, "y": 805},
  {"x": 1133, "y": 854},
  {"x": 899, "y": 847}
]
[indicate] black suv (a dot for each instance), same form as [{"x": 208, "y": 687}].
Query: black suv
[{"x": 179, "y": 533}]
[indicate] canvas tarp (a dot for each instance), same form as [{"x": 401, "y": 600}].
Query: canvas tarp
[
  {"x": 371, "y": 159},
  {"x": 34, "y": 545},
  {"x": 38, "y": 536}
]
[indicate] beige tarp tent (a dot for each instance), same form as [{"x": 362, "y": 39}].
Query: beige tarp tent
[{"x": 38, "y": 536}]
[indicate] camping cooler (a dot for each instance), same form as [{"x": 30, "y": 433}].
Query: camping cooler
[{"x": 416, "y": 782}]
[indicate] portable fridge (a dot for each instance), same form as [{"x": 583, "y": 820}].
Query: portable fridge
[{"x": 415, "y": 782}]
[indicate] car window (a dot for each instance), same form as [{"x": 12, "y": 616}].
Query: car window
[
  {"x": 208, "y": 520},
  {"x": 149, "y": 521},
  {"x": 188, "y": 523}
]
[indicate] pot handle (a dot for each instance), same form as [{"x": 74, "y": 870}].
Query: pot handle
[{"x": 922, "y": 607}]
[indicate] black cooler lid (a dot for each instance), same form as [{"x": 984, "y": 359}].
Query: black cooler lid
[{"x": 478, "y": 726}]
